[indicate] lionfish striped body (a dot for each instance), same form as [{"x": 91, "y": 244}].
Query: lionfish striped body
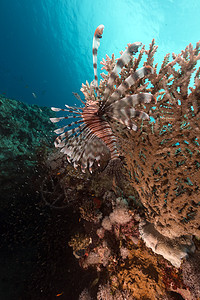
[{"x": 91, "y": 136}]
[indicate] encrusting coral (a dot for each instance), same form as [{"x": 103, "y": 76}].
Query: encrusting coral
[
  {"x": 79, "y": 243},
  {"x": 174, "y": 250}
]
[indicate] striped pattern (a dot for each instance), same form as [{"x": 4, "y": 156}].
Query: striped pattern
[
  {"x": 100, "y": 128},
  {"x": 123, "y": 110},
  {"x": 85, "y": 150},
  {"x": 89, "y": 137},
  {"x": 126, "y": 84},
  {"x": 122, "y": 61},
  {"x": 96, "y": 42}
]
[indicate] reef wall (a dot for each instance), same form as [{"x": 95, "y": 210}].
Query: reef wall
[{"x": 25, "y": 131}]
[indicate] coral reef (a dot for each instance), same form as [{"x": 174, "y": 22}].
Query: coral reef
[
  {"x": 138, "y": 240},
  {"x": 125, "y": 266},
  {"x": 109, "y": 240},
  {"x": 25, "y": 131},
  {"x": 162, "y": 163},
  {"x": 162, "y": 156}
]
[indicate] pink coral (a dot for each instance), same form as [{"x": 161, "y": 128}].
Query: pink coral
[{"x": 120, "y": 215}]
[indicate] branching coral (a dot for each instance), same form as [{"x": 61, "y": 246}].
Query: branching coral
[{"x": 163, "y": 156}]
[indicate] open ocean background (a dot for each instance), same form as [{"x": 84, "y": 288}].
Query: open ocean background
[{"x": 46, "y": 45}]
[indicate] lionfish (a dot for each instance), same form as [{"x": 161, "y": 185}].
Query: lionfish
[{"x": 91, "y": 136}]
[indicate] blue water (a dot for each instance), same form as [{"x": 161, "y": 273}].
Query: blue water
[{"x": 46, "y": 45}]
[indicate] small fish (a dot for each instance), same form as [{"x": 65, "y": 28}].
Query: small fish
[
  {"x": 34, "y": 95},
  {"x": 58, "y": 295}
]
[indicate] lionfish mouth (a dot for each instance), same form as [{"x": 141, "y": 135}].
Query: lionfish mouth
[{"x": 89, "y": 138}]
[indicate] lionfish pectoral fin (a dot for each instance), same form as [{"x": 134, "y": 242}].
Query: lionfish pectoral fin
[
  {"x": 138, "y": 114},
  {"x": 114, "y": 169},
  {"x": 83, "y": 169},
  {"x": 132, "y": 126},
  {"x": 75, "y": 164}
]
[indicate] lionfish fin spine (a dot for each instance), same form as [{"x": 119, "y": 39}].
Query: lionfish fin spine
[
  {"x": 126, "y": 84},
  {"x": 122, "y": 61},
  {"x": 74, "y": 108},
  {"x": 77, "y": 96},
  {"x": 60, "y": 130},
  {"x": 123, "y": 110},
  {"x": 56, "y": 109},
  {"x": 55, "y": 120},
  {"x": 66, "y": 135},
  {"x": 96, "y": 42}
]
